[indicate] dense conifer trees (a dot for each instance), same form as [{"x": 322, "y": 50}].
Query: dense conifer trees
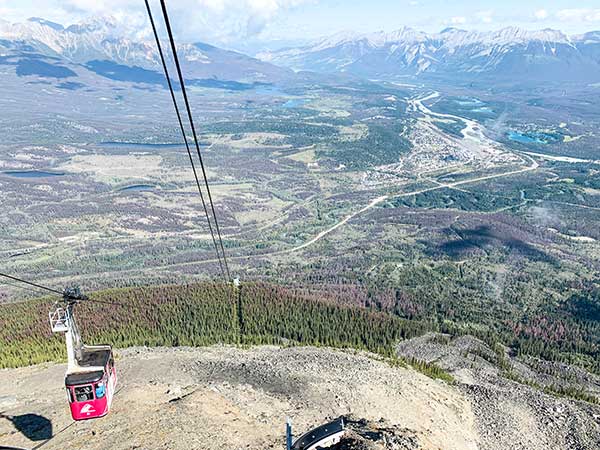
[{"x": 197, "y": 315}]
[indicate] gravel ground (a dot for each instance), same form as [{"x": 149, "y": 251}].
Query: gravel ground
[
  {"x": 226, "y": 398},
  {"x": 229, "y": 398},
  {"x": 511, "y": 415}
]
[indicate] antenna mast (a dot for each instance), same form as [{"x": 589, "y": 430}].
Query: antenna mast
[{"x": 288, "y": 434}]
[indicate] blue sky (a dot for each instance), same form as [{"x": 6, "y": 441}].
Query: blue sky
[
  {"x": 434, "y": 15},
  {"x": 236, "y": 23}
]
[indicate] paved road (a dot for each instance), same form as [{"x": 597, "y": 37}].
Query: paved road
[{"x": 533, "y": 165}]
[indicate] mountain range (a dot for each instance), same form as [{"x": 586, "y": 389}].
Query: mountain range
[
  {"x": 46, "y": 49},
  {"x": 509, "y": 53},
  {"x": 42, "y": 48}
]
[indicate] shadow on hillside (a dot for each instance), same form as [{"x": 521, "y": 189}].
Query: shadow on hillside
[
  {"x": 485, "y": 238},
  {"x": 33, "y": 426}
]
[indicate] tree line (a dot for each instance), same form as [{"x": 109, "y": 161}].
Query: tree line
[{"x": 202, "y": 314}]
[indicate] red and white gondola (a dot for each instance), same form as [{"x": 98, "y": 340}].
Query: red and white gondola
[{"x": 91, "y": 377}]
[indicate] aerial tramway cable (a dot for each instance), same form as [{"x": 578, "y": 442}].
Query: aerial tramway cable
[
  {"x": 185, "y": 139},
  {"x": 191, "y": 120},
  {"x": 39, "y": 286},
  {"x": 219, "y": 248},
  {"x": 64, "y": 294},
  {"x": 83, "y": 361}
]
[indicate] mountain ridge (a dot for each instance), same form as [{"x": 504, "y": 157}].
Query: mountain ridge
[
  {"x": 508, "y": 52},
  {"x": 103, "y": 39}
]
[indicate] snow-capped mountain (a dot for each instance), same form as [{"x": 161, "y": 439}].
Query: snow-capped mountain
[
  {"x": 102, "y": 45},
  {"x": 108, "y": 48},
  {"x": 506, "y": 53}
]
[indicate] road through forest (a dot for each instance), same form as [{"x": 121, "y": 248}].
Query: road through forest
[
  {"x": 533, "y": 165},
  {"x": 418, "y": 105}
]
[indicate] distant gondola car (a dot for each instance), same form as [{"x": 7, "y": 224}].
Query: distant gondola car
[
  {"x": 91, "y": 377},
  {"x": 323, "y": 437}
]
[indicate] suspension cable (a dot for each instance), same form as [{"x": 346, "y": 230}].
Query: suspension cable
[
  {"x": 54, "y": 291},
  {"x": 189, "y": 113},
  {"x": 185, "y": 139},
  {"x": 39, "y": 286}
]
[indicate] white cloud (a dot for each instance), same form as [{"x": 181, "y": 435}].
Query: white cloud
[
  {"x": 458, "y": 20},
  {"x": 225, "y": 21},
  {"x": 579, "y": 15},
  {"x": 6, "y": 12},
  {"x": 541, "y": 14},
  {"x": 485, "y": 16},
  {"x": 477, "y": 19},
  {"x": 217, "y": 21}
]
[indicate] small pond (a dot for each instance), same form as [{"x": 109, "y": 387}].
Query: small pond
[
  {"x": 483, "y": 109},
  {"x": 138, "y": 188},
  {"x": 295, "y": 103},
  {"x": 469, "y": 101},
  {"x": 528, "y": 138},
  {"x": 32, "y": 174},
  {"x": 140, "y": 145}
]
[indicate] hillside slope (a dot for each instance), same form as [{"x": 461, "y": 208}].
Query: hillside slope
[{"x": 227, "y": 398}]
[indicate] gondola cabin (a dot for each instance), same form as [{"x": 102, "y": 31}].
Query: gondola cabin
[
  {"x": 91, "y": 387},
  {"x": 91, "y": 378},
  {"x": 325, "y": 436}
]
